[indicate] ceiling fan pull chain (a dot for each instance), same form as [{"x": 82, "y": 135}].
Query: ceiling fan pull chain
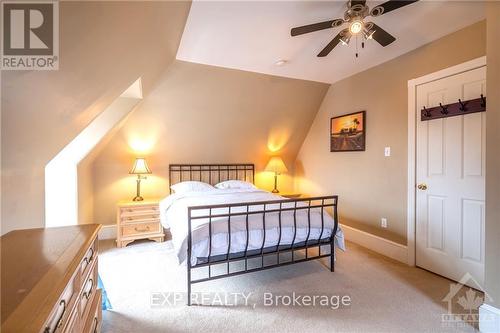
[{"x": 356, "y": 46}]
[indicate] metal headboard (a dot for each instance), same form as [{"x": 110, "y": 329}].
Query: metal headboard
[{"x": 211, "y": 173}]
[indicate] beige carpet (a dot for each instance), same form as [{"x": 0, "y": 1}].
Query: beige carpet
[{"x": 386, "y": 295}]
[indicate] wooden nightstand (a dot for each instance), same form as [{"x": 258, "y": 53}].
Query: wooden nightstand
[
  {"x": 138, "y": 220},
  {"x": 290, "y": 195}
]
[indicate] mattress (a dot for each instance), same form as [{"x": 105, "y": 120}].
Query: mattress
[{"x": 174, "y": 216}]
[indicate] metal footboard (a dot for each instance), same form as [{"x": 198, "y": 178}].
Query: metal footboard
[{"x": 243, "y": 211}]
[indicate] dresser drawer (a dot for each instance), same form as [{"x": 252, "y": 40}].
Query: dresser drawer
[
  {"x": 73, "y": 322},
  {"x": 141, "y": 228},
  {"x": 94, "y": 320},
  {"x": 88, "y": 259},
  {"x": 89, "y": 287},
  {"x": 61, "y": 312}
]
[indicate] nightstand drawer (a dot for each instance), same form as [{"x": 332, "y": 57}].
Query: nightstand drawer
[
  {"x": 140, "y": 218},
  {"x": 139, "y": 210},
  {"x": 141, "y": 228}
]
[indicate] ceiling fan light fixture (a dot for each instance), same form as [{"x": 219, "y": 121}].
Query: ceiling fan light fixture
[{"x": 356, "y": 27}]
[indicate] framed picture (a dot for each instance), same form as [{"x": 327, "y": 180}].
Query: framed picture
[{"x": 348, "y": 132}]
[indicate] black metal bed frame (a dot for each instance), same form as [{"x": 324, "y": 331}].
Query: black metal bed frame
[{"x": 221, "y": 172}]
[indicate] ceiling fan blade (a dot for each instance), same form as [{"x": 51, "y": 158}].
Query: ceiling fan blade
[
  {"x": 381, "y": 36},
  {"x": 316, "y": 27},
  {"x": 389, "y": 6},
  {"x": 332, "y": 44}
]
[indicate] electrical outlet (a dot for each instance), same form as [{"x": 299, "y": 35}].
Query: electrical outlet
[
  {"x": 383, "y": 222},
  {"x": 387, "y": 151}
]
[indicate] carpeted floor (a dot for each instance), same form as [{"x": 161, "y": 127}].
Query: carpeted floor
[{"x": 385, "y": 296}]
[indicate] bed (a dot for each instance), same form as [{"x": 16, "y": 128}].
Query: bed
[{"x": 244, "y": 225}]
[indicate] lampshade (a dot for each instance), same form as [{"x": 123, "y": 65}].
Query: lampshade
[
  {"x": 140, "y": 167},
  {"x": 276, "y": 165}
]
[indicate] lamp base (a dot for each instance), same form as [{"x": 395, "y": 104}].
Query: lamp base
[
  {"x": 275, "y": 190},
  {"x": 138, "y": 198}
]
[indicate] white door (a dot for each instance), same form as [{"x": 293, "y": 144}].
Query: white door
[{"x": 451, "y": 163}]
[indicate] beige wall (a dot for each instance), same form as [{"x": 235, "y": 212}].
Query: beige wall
[
  {"x": 492, "y": 273},
  {"x": 198, "y": 114},
  {"x": 369, "y": 185},
  {"x": 104, "y": 47},
  {"x": 85, "y": 192}
]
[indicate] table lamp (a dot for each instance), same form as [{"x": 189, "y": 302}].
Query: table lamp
[
  {"x": 277, "y": 166},
  {"x": 140, "y": 168}
]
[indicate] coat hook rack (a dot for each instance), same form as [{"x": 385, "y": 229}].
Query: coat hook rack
[
  {"x": 462, "y": 105},
  {"x": 454, "y": 109}
]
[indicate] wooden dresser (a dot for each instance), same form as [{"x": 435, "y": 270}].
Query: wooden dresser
[
  {"x": 138, "y": 220},
  {"x": 49, "y": 280}
]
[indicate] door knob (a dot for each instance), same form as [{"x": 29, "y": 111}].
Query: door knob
[{"x": 422, "y": 187}]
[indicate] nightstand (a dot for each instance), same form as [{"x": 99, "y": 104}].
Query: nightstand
[
  {"x": 290, "y": 195},
  {"x": 138, "y": 220}
]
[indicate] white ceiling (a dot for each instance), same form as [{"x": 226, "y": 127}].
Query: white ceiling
[{"x": 252, "y": 36}]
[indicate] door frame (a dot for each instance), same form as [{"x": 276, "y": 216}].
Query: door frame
[{"x": 412, "y": 141}]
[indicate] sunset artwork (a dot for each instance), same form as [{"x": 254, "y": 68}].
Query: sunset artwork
[{"x": 347, "y": 132}]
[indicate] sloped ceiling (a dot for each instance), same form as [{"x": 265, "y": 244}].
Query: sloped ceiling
[
  {"x": 104, "y": 47},
  {"x": 205, "y": 114},
  {"x": 253, "y": 35}
]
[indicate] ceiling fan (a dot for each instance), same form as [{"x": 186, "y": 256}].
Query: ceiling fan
[{"x": 355, "y": 15}]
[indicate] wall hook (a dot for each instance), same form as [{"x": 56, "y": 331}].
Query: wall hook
[
  {"x": 444, "y": 109},
  {"x": 427, "y": 112},
  {"x": 462, "y": 105},
  {"x": 483, "y": 101}
]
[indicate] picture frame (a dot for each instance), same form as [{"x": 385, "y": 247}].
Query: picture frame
[{"x": 348, "y": 132}]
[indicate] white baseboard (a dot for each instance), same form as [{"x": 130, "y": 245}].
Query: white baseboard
[
  {"x": 489, "y": 319},
  {"x": 378, "y": 244},
  {"x": 108, "y": 231}
]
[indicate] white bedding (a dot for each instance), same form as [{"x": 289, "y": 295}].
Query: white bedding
[{"x": 174, "y": 215}]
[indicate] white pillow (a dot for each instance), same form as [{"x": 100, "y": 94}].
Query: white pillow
[
  {"x": 234, "y": 184},
  {"x": 191, "y": 186}
]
